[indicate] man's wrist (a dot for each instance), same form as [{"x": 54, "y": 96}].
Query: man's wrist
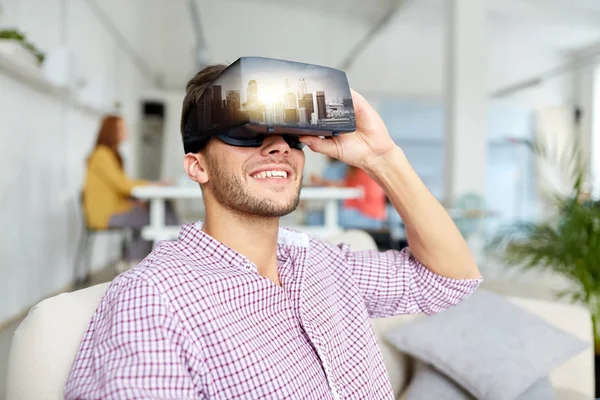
[{"x": 380, "y": 165}]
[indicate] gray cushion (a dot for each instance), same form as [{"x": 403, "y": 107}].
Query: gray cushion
[
  {"x": 489, "y": 346},
  {"x": 428, "y": 383}
]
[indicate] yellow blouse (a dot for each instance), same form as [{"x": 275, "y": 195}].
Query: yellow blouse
[{"x": 107, "y": 189}]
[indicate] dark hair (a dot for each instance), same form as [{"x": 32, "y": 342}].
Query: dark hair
[
  {"x": 109, "y": 135},
  {"x": 196, "y": 86}
]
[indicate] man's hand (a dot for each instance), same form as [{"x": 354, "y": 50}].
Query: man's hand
[{"x": 361, "y": 148}]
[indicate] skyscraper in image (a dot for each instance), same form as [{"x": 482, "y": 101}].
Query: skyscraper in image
[
  {"x": 301, "y": 90},
  {"x": 290, "y": 115},
  {"x": 279, "y": 111},
  {"x": 217, "y": 103},
  {"x": 205, "y": 110},
  {"x": 303, "y": 118},
  {"x": 233, "y": 105},
  {"x": 289, "y": 97},
  {"x": 309, "y": 106},
  {"x": 321, "y": 107},
  {"x": 252, "y": 95},
  {"x": 233, "y": 96}
]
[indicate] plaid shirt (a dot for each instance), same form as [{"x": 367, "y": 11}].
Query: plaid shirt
[{"x": 195, "y": 320}]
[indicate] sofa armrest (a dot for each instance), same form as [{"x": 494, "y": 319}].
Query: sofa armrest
[
  {"x": 46, "y": 343},
  {"x": 577, "y": 374}
]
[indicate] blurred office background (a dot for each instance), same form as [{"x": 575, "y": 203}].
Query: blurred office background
[{"x": 462, "y": 85}]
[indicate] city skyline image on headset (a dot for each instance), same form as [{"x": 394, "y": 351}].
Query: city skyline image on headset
[{"x": 272, "y": 96}]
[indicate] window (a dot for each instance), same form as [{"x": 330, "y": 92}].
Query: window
[{"x": 417, "y": 126}]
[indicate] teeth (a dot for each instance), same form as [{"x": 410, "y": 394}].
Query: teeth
[{"x": 270, "y": 174}]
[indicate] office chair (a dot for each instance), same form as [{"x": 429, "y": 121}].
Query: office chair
[{"x": 86, "y": 244}]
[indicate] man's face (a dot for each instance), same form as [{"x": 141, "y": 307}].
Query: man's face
[{"x": 263, "y": 181}]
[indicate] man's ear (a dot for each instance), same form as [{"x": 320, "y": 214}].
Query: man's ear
[{"x": 196, "y": 167}]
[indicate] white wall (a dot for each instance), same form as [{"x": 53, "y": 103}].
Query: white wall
[{"x": 44, "y": 143}]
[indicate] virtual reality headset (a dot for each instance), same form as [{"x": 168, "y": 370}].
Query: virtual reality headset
[{"x": 256, "y": 96}]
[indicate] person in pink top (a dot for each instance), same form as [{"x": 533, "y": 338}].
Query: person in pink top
[
  {"x": 241, "y": 308},
  {"x": 372, "y": 202},
  {"x": 367, "y": 212}
]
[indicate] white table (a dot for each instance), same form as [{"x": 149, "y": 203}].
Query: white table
[{"x": 158, "y": 195}]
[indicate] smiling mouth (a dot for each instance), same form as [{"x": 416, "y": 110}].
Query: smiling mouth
[{"x": 273, "y": 174}]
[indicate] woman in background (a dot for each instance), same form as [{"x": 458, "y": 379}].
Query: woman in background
[{"x": 107, "y": 190}]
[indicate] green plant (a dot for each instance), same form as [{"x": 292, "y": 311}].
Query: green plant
[
  {"x": 568, "y": 242},
  {"x": 13, "y": 34}
]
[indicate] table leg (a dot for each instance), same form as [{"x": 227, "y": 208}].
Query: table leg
[
  {"x": 157, "y": 217},
  {"x": 331, "y": 215}
]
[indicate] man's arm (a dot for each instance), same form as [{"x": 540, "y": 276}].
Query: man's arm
[
  {"x": 432, "y": 236},
  {"x": 394, "y": 282},
  {"x": 134, "y": 348}
]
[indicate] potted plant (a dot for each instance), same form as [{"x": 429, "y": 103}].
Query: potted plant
[
  {"x": 566, "y": 243},
  {"x": 15, "y": 36}
]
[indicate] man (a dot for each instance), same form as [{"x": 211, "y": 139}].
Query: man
[{"x": 241, "y": 308}]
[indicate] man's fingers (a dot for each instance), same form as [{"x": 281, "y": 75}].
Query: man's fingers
[
  {"x": 325, "y": 146},
  {"x": 363, "y": 111}
]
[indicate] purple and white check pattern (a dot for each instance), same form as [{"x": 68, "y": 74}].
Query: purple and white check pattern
[{"x": 195, "y": 320}]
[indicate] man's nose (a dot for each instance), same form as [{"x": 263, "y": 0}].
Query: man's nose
[{"x": 275, "y": 144}]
